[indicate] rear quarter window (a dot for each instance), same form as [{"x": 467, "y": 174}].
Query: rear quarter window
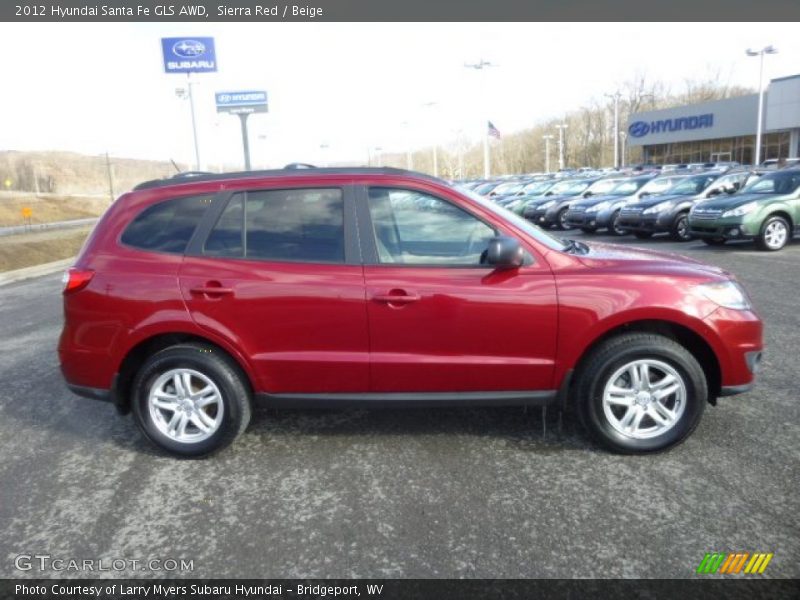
[{"x": 167, "y": 226}]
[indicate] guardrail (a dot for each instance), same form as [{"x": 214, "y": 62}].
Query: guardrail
[{"x": 17, "y": 229}]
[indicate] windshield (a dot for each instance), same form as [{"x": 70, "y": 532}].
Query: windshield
[
  {"x": 775, "y": 183},
  {"x": 604, "y": 186},
  {"x": 660, "y": 185},
  {"x": 485, "y": 188},
  {"x": 507, "y": 188},
  {"x": 535, "y": 232},
  {"x": 537, "y": 187},
  {"x": 693, "y": 185},
  {"x": 626, "y": 188},
  {"x": 569, "y": 188}
]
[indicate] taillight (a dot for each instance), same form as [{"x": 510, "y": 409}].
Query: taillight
[{"x": 76, "y": 279}]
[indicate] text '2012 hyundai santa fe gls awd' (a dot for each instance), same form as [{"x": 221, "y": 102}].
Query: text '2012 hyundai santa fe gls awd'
[{"x": 195, "y": 297}]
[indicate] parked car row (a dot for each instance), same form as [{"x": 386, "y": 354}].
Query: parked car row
[{"x": 717, "y": 203}]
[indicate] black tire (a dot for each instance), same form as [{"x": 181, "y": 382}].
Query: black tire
[
  {"x": 561, "y": 221},
  {"x": 763, "y": 238},
  {"x": 718, "y": 241},
  {"x": 643, "y": 235},
  {"x": 679, "y": 231},
  {"x": 589, "y": 230},
  {"x": 612, "y": 226},
  {"x": 614, "y": 354},
  {"x": 217, "y": 367}
]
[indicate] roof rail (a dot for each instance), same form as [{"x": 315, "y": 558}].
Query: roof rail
[{"x": 193, "y": 176}]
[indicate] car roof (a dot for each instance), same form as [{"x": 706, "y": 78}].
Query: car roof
[{"x": 197, "y": 176}]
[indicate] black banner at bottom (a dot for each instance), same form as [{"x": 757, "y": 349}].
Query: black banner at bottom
[{"x": 395, "y": 589}]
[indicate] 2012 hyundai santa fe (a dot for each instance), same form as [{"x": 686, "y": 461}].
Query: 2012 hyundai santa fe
[{"x": 195, "y": 297}]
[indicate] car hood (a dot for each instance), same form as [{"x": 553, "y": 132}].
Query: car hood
[
  {"x": 592, "y": 200},
  {"x": 732, "y": 201},
  {"x": 610, "y": 255},
  {"x": 649, "y": 201}
]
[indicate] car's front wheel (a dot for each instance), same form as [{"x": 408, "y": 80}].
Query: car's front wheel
[
  {"x": 680, "y": 231},
  {"x": 562, "y": 220},
  {"x": 640, "y": 392},
  {"x": 191, "y": 400},
  {"x": 774, "y": 234},
  {"x": 614, "y": 228}
]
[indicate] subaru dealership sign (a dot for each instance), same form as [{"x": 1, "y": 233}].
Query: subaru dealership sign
[
  {"x": 642, "y": 128},
  {"x": 250, "y": 101},
  {"x": 189, "y": 55}
]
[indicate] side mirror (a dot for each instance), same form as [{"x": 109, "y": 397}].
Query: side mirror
[
  {"x": 717, "y": 191},
  {"x": 587, "y": 193},
  {"x": 505, "y": 253},
  {"x": 643, "y": 194}
]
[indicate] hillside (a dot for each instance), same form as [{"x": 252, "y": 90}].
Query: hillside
[{"x": 70, "y": 173}]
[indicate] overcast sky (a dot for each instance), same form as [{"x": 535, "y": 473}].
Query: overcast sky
[{"x": 96, "y": 87}]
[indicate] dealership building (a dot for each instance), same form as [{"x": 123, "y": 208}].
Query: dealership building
[{"x": 722, "y": 130}]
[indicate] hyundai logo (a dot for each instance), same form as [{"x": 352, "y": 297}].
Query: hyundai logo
[
  {"x": 222, "y": 98},
  {"x": 639, "y": 128},
  {"x": 189, "y": 48}
]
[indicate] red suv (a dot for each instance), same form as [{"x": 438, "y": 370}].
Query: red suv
[{"x": 195, "y": 297}]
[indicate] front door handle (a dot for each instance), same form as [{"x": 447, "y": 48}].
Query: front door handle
[
  {"x": 396, "y": 297},
  {"x": 212, "y": 288}
]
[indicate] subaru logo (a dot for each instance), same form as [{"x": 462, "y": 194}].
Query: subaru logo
[
  {"x": 639, "y": 129},
  {"x": 189, "y": 48}
]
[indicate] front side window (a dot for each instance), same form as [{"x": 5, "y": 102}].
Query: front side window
[
  {"x": 167, "y": 226},
  {"x": 418, "y": 229},
  {"x": 305, "y": 225}
]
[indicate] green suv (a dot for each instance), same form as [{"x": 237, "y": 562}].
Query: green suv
[{"x": 766, "y": 210}]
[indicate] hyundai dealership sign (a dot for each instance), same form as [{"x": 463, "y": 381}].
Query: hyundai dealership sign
[
  {"x": 241, "y": 102},
  {"x": 714, "y": 119},
  {"x": 642, "y": 128},
  {"x": 189, "y": 55}
]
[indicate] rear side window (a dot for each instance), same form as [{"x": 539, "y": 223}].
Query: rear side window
[
  {"x": 283, "y": 225},
  {"x": 167, "y": 226}
]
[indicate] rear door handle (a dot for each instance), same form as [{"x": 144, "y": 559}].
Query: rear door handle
[{"x": 396, "y": 297}]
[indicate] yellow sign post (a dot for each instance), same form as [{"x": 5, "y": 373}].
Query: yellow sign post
[{"x": 26, "y": 211}]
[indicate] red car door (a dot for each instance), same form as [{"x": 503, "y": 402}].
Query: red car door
[
  {"x": 439, "y": 320},
  {"x": 276, "y": 279}
]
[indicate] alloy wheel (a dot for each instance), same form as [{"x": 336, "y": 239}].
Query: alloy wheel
[{"x": 185, "y": 405}]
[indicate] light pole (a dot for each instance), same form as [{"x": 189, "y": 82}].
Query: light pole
[
  {"x": 624, "y": 152},
  {"x": 435, "y": 152},
  {"x": 547, "y": 139},
  {"x": 409, "y": 154},
  {"x": 760, "y": 53},
  {"x": 480, "y": 66},
  {"x": 616, "y": 96},
  {"x": 561, "y": 127},
  {"x": 187, "y": 93}
]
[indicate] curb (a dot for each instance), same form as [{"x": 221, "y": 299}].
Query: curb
[{"x": 35, "y": 271}]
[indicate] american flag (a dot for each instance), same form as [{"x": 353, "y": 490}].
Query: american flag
[{"x": 493, "y": 131}]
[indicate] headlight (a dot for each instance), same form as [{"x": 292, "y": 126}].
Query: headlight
[
  {"x": 658, "y": 207},
  {"x": 725, "y": 293},
  {"x": 547, "y": 204},
  {"x": 598, "y": 207},
  {"x": 742, "y": 210}
]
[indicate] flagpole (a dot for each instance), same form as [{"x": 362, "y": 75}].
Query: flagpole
[{"x": 486, "y": 169}]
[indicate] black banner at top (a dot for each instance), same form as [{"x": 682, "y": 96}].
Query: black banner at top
[{"x": 399, "y": 10}]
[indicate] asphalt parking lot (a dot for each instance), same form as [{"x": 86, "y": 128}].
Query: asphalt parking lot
[{"x": 391, "y": 493}]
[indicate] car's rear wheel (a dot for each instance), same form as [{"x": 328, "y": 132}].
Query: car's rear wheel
[
  {"x": 614, "y": 228},
  {"x": 774, "y": 234},
  {"x": 680, "y": 231},
  {"x": 640, "y": 392},
  {"x": 716, "y": 241},
  {"x": 561, "y": 219},
  {"x": 191, "y": 400}
]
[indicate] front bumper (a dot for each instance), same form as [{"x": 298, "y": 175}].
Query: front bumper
[
  {"x": 637, "y": 221},
  {"x": 545, "y": 217},
  {"x": 737, "y": 337},
  {"x": 591, "y": 220},
  {"x": 732, "y": 228}
]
